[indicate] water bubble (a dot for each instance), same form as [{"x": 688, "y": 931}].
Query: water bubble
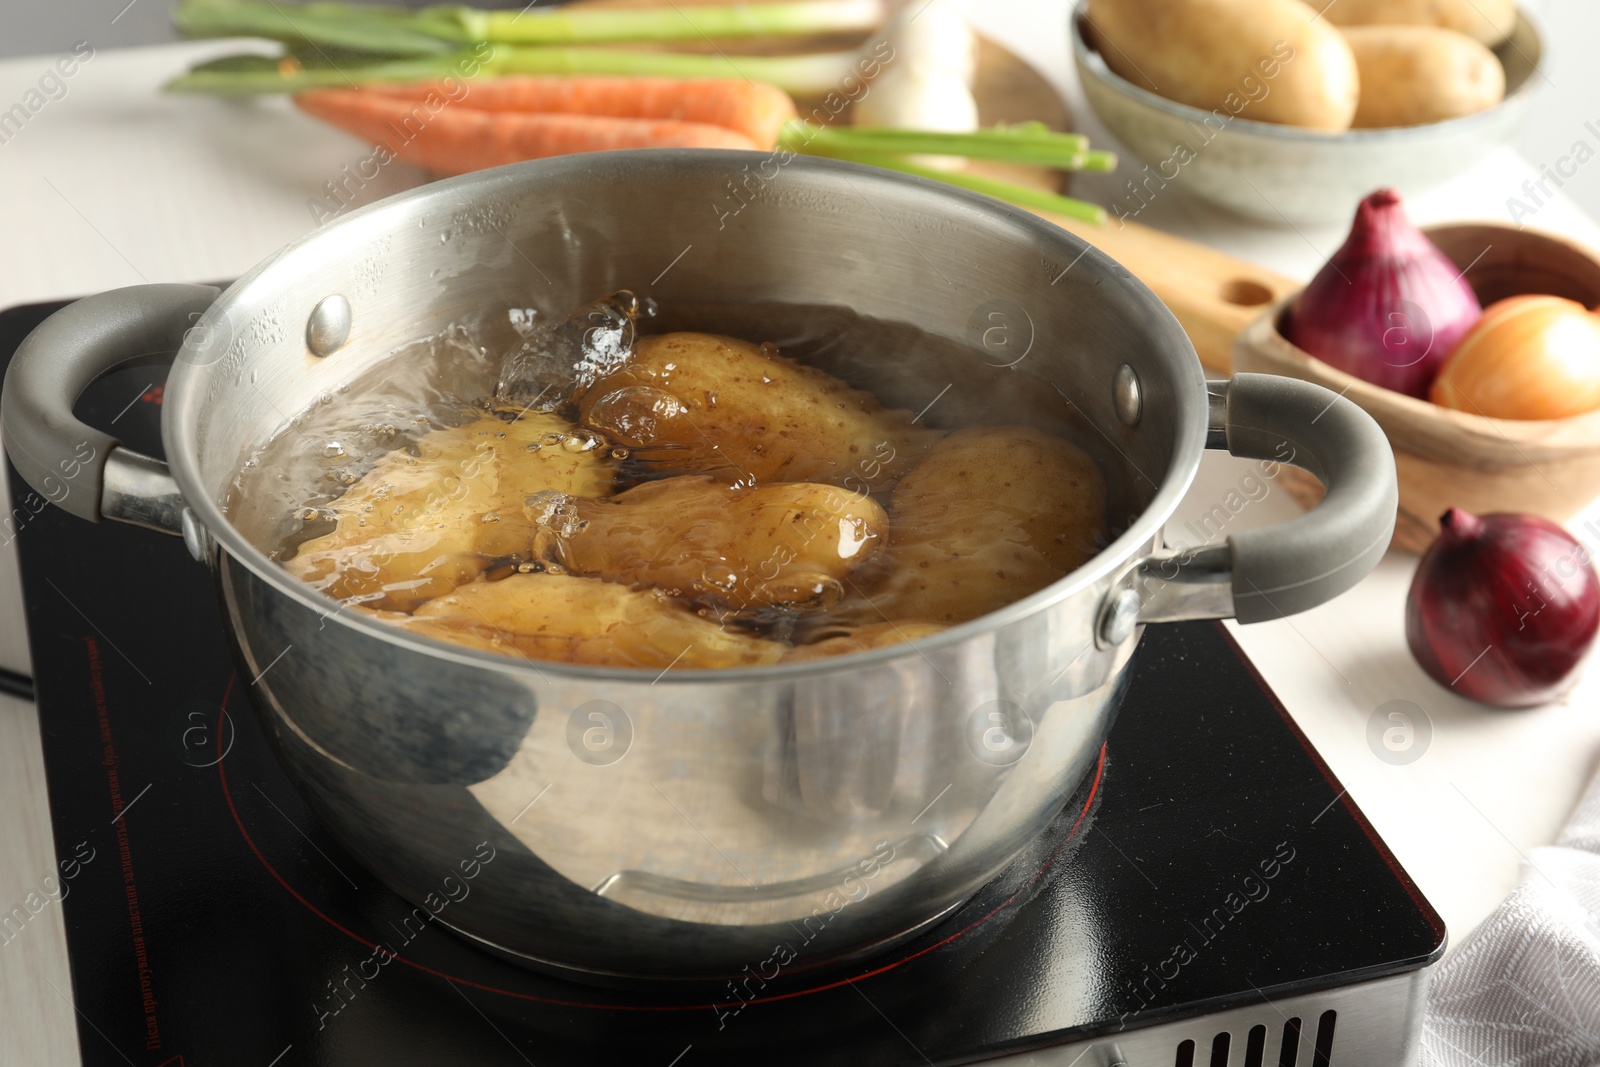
[
  {"x": 636, "y": 415},
  {"x": 522, "y": 320},
  {"x": 334, "y": 450},
  {"x": 489, "y": 516},
  {"x": 580, "y": 442},
  {"x": 619, "y": 453},
  {"x": 533, "y": 446}
]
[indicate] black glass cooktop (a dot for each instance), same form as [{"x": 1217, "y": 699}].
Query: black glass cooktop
[{"x": 1211, "y": 861}]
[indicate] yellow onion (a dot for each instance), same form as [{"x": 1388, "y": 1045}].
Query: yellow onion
[{"x": 1529, "y": 357}]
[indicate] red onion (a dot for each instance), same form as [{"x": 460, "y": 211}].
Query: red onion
[
  {"x": 1503, "y": 608},
  {"x": 1389, "y": 306}
]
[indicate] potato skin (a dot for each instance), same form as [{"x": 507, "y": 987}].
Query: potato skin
[
  {"x": 1413, "y": 75},
  {"x": 990, "y": 515},
  {"x": 414, "y": 527},
  {"x": 569, "y": 619},
  {"x": 1265, "y": 60},
  {"x": 791, "y": 543},
  {"x": 693, "y": 403},
  {"x": 1488, "y": 22}
]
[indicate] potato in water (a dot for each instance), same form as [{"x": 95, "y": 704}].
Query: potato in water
[
  {"x": 417, "y": 526},
  {"x": 690, "y": 403},
  {"x": 768, "y": 513},
  {"x": 990, "y": 515},
  {"x": 585, "y": 620},
  {"x": 844, "y": 640},
  {"x": 789, "y": 543}
]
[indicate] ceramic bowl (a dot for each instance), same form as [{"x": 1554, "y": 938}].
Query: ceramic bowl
[{"x": 1285, "y": 173}]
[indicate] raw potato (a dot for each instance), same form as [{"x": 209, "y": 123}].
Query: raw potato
[
  {"x": 1413, "y": 75},
  {"x": 1489, "y": 22},
  {"x": 585, "y": 620},
  {"x": 1266, "y": 60},
  {"x": 694, "y": 402},
  {"x": 990, "y": 515},
  {"x": 416, "y": 527},
  {"x": 790, "y": 543}
]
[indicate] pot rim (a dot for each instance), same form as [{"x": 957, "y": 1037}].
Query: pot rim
[{"x": 1189, "y": 418}]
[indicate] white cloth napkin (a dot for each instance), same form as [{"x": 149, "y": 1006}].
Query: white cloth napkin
[{"x": 1523, "y": 990}]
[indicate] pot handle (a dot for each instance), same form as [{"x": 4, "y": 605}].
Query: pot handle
[
  {"x": 73, "y": 465},
  {"x": 1257, "y": 575}
]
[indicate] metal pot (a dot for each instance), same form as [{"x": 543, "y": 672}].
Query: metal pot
[{"x": 694, "y": 823}]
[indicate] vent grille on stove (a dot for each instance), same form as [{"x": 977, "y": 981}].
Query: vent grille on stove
[{"x": 1289, "y": 1050}]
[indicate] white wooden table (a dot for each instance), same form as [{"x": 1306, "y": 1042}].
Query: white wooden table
[{"x": 113, "y": 184}]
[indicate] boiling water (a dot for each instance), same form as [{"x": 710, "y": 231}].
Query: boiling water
[{"x": 282, "y": 495}]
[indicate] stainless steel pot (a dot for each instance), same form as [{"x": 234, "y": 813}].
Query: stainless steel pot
[{"x": 694, "y": 823}]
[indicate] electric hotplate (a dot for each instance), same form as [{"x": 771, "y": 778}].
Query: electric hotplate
[{"x": 1211, "y": 895}]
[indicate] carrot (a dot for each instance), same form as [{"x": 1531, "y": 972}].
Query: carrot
[
  {"x": 455, "y": 139},
  {"x": 754, "y": 109}
]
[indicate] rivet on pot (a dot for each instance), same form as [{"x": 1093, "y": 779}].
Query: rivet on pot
[
  {"x": 328, "y": 327},
  {"x": 1127, "y": 396},
  {"x": 1118, "y": 618},
  {"x": 197, "y": 539}
]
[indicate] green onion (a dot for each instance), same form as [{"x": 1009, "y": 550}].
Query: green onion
[
  {"x": 1000, "y": 190},
  {"x": 247, "y": 75},
  {"x": 378, "y": 30},
  {"x": 399, "y": 32},
  {"x": 803, "y": 75},
  {"x": 674, "y": 23},
  {"x": 1030, "y": 143}
]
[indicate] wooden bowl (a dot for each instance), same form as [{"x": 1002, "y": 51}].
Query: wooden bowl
[{"x": 1449, "y": 458}]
